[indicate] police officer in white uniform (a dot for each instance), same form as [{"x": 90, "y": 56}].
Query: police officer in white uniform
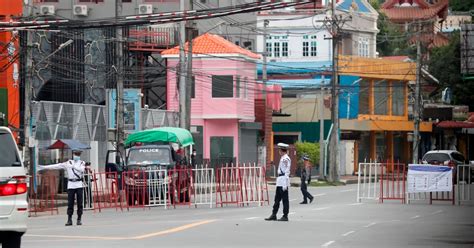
[
  {"x": 282, "y": 183},
  {"x": 75, "y": 170}
]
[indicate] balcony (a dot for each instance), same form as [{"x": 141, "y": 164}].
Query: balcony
[{"x": 154, "y": 38}]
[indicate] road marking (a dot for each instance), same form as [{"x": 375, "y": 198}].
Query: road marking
[
  {"x": 317, "y": 209},
  {"x": 252, "y": 218},
  {"x": 320, "y": 194},
  {"x": 168, "y": 231},
  {"x": 347, "y": 190},
  {"x": 348, "y": 233},
  {"x": 356, "y": 204},
  {"x": 437, "y": 212},
  {"x": 328, "y": 243},
  {"x": 173, "y": 230},
  {"x": 371, "y": 224},
  {"x": 415, "y": 217}
]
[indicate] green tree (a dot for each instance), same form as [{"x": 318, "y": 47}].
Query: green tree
[
  {"x": 308, "y": 148},
  {"x": 461, "y": 5},
  {"x": 445, "y": 64}
]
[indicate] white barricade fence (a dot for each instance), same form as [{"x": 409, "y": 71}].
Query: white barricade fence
[
  {"x": 367, "y": 181},
  {"x": 157, "y": 188},
  {"x": 253, "y": 184},
  {"x": 88, "y": 196},
  {"x": 465, "y": 184},
  {"x": 204, "y": 184}
]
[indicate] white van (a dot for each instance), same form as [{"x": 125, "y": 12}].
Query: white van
[{"x": 13, "y": 192}]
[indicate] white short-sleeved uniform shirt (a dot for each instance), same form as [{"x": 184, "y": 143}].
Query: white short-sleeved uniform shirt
[
  {"x": 74, "y": 169},
  {"x": 284, "y": 168}
]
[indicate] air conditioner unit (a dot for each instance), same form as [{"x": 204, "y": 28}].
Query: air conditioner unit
[
  {"x": 47, "y": 9},
  {"x": 145, "y": 9},
  {"x": 80, "y": 10}
]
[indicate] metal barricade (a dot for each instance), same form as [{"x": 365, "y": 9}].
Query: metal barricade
[
  {"x": 368, "y": 176},
  {"x": 228, "y": 187},
  {"x": 134, "y": 184},
  {"x": 204, "y": 186},
  {"x": 88, "y": 196},
  {"x": 157, "y": 188},
  {"x": 181, "y": 186},
  {"x": 42, "y": 194},
  {"x": 393, "y": 181},
  {"x": 465, "y": 184},
  {"x": 253, "y": 184},
  {"x": 105, "y": 191}
]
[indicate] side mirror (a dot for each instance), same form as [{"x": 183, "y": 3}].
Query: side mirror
[{"x": 111, "y": 167}]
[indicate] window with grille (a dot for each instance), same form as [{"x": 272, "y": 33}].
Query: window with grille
[
  {"x": 314, "y": 48},
  {"x": 276, "y": 50},
  {"x": 269, "y": 49},
  {"x": 363, "y": 47},
  {"x": 284, "y": 49},
  {"x": 305, "y": 48}
]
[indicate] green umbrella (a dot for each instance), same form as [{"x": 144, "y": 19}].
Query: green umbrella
[{"x": 164, "y": 134}]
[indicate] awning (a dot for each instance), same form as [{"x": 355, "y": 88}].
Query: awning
[
  {"x": 455, "y": 124},
  {"x": 68, "y": 144},
  {"x": 162, "y": 134}
]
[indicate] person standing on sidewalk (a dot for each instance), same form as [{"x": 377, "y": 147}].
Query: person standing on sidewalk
[
  {"x": 306, "y": 177},
  {"x": 75, "y": 170},
  {"x": 282, "y": 184}
]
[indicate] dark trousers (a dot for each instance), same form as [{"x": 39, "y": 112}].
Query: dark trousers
[
  {"x": 70, "y": 201},
  {"x": 281, "y": 195},
  {"x": 304, "y": 190}
]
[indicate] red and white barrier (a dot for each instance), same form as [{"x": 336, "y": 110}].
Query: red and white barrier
[
  {"x": 228, "y": 187},
  {"x": 157, "y": 188},
  {"x": 367, "y": 179},
  {"x": 253, "y": 184},
  {"x": 393, "y": 181},
  {"x": 105, "y": 191},
  {"x": 42, "y": 194},
  {"x": 204, "y": 183}
]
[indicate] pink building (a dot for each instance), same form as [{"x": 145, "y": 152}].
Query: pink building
[{"x": 223, "y": 94}]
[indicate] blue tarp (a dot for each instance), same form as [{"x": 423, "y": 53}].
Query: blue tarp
[
  {"x": 68, "y": 144},
  {"x": 301, "y": 83},
  {"x": 346, "y": 5}
]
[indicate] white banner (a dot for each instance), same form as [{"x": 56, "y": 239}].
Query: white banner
[{"x": 429, "y": 178}]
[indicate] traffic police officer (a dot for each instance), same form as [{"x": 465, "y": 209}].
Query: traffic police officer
[
  {"x": 306, "y": 177},
  {"x": 282, "y": 183},
  {"x": 75, "y": 170}
]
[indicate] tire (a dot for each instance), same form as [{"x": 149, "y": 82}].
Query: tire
[{"x": 11, "y": 239}]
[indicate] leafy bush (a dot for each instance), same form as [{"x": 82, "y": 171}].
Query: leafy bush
[{"x": 308, "y": 148}]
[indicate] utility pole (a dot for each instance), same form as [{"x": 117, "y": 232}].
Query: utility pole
[
  {"x": 417, "y": 105},
  {"x": 28, "y": 89},
  {"x": 334, "y": 139},
  {"x": 182, "y": 69},
  {"x": 119, "y": 89},
  {"x": 264, "y": 65},
  {"x": 321, "y": 131},
  {"x": 189, "y": 78}
]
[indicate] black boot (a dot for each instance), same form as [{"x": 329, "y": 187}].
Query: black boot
[
  {"x": 272, "y": 217},
  {"x": 69, "y": 220},
  {"x": 304, "y": 202},
  {"x": 79, "y": 222},
  {"x": 283, "y": 218}
]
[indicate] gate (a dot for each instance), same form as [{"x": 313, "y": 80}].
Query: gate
[
  {"x": 368, "y": 176},
  {"x": 157, "y": 188},
  {"x": 465, "y": 184},
  {"x": 393, "y": 181},
  {"x": 42, "y": 194},
  {"x": 204, "y": 184},
  {"x": 253, "y": 184}
]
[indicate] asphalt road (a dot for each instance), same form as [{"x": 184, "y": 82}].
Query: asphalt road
[{"x": 334, "y": 219}]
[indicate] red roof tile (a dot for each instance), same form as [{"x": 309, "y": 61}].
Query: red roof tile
[
  {"x": 213, "y": 44},
  {"x": 455, "y": 124},
  {"x": 410, "y": 13},
  {"x": 432, "y": 40}
]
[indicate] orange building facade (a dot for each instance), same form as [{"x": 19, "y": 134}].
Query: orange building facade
[{"x": 10, "y": 67}]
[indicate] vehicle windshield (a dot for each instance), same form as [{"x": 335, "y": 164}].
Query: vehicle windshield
[
  {"x": 439, "y": 157},
  {"x": 8, "y": 154},
  {"x": 149, "y": 156},
  {"x": 458, "y": 157}
]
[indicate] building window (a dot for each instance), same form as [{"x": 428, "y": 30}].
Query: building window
[
  {"x": 276, "y": 51},
  {"x": 363, "y": 47},
  {"x": 222, "y": 86},
  {"x": 269, "y": 49},
  {"x": 381, "y": 97},
  {"x": 237, "y": 87},
  {"x": 398, "y": 98},
  {"x": 364, "y": 97},
  {"x": 305, "y": 48},
  {"x": 284, "y": 49},
  {"x": 91, "y": 1},
  {"x": 314, "y": 49}
]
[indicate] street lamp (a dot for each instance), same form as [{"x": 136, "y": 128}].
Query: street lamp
[{"x": 61, "y": 46}]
